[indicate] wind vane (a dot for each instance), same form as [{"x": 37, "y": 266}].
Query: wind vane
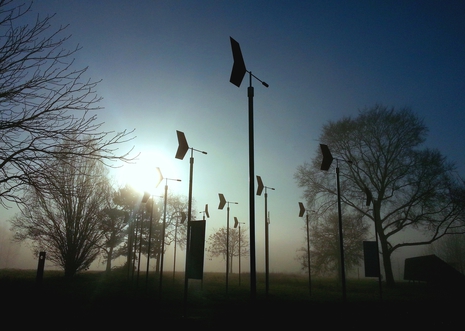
[{"x": 237, "y": 75}]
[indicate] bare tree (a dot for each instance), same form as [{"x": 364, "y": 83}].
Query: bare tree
[
  {"x": 410, "y": 188},
  {"x": 324, "y": 243},
  {"x": 9, "y": 250},
  {"x": 451, "y": 249},
  {"x": 128, "y": 200},
  {"x": 138, "y": 231},
  {"x": 44, "y": 102},
  {"x": 64, "y": 218},
  {"x": 175, "y": 207},
  {"x": 217, "y": 244},
  {"x": 114, "y": 221}
]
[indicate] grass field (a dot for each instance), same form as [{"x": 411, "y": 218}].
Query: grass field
[{"x": 97, "y": 299}]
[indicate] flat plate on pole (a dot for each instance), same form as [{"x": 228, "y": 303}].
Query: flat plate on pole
[
  {"x": 182, "y": 145},
  {"x": 260, "y": 185},
  {"x": 222, "y": 201},
  {"x": 238, "y": 70},
  {"x": 302, "y": 209},
  {"x": 327, "y": 157},
  {"x": 146, "y": 197},
  {"x": 160, "y": 176}
]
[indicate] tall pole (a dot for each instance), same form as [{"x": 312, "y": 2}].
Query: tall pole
[
  {"x": 239, "y": 255},
  {"x": 148, "y": 248},
  {"x": 134, "y": 244},
  {"x": 223, "y": 202},
  {"x": 174, "y": 255},
  {"x": 227, "y": 249},
  {"x": 237, "y": 74},
  {"x": 253, "y": 272},
  {"x": 140, "y": 251},
  {"x": 183, "y": 217},
  {"x": 236, "y": 223},
  {"x": 341, "y": 239},
  {"x": 267, "y": 243},
  {"x": 325, "y": 164},
  {"x": 375, "y": 211},
  {"x": 267, "y": 249},
  {"x": 129, "y": 261},
  {"x": 301, "y": 213},
  {"x": 308, "y": 257},
  {"x": 267, "y": 246},
  {"x": 162, "y": 252},
  {"x": 189, "y": 211},
  {"x": 183, "y": 147}
]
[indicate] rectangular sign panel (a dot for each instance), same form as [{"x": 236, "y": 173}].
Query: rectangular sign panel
[
  {"x": 195, "y": 255},
  {"x": 371, "y": 258}
]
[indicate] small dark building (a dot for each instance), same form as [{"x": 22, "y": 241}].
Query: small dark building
[{"x": 434, "y": 271}]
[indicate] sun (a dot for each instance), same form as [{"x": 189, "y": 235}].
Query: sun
[{"x": 146, "y": 173}]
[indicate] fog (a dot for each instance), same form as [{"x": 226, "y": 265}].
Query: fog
[{"x": 14, "y": 255}]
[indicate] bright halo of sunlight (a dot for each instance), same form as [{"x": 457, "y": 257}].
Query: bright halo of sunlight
[{"x": 142, "y": 174}]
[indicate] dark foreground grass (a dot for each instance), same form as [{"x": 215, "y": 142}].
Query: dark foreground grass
[{"x": 94, "y": 299}]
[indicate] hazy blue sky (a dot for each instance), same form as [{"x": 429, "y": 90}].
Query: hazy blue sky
[{"x": 165, "y": 66}]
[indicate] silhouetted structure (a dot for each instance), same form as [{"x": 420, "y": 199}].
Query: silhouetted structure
[{"x": 434, "y": 271}]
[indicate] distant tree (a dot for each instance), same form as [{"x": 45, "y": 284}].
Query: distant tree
[
  {"x": 9, "y": 250},
  {"x": 239, "y": 243},
  {"x": 128, "y": 199},
  {"x": 176, "y": 206},
  {"x": 65, "y": 216},
  {"x": 412, "y": 188},
  {"x": 217, "y": 244},
  {"x": 114, "y": 221},
  {"x": 137, "y": 232},
  {"x": 324, "y": 244},
  {"x": 450, "y": 249},
  {"x": 43, "y": 103}
]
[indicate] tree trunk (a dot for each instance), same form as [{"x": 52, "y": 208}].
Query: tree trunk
[
  {"x": 386, "y": 254},
  {"x": 109, "y": 257}
]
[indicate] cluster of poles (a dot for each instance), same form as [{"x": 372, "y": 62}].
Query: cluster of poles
[
  {"x": 325, "y": 165},
  {"x": 237, "y": 74},
  {"x": 136, "y": 232}
]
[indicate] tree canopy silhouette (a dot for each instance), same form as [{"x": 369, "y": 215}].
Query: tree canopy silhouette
[
  {"x": 412, "y": 187},
  {"x": 65, "y": 217},
  {"x": 44, "y": 102},
  {"x": 217, "y": 244},
  {"x": 324, "y": 239}
]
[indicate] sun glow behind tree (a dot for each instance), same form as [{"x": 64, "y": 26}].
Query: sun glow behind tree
[{"x": 142, "y": 174}]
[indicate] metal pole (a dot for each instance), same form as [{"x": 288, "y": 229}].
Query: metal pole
[
  {"x": 148, "y": 249},
  {"x": 341, "y": 239},
  {"x": 140, "y": 250},
  {"x": 227, "y": 249},
  {"x": 253, "y": 276},
  {"x": 134, "y": 247},
  {"x": 189, "y": 210},
  {"x": 267, "y": 255},
  {"x": 377, "y": 255},
  {"x": 239, "y": 254},
  {"x": 174, "y": 256},
  {"x": 163, "y": 236},
  {"x": 308, "y": 259}
]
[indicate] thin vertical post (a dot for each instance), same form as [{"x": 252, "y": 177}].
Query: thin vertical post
[
  {"x": 189, "y": 212},
  {"x": 308, "y": 258},
  {"x": 163, "y": 237},
  {"x": 341, "y": 239},
  {"x": 253, "y": 275},
  {"x": 227, "y": 249}
]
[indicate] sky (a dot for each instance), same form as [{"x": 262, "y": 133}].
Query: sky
[{"x": 165, "y": 66}]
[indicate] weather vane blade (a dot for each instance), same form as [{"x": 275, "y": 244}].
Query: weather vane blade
[{"x": 238, "y": 69}]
